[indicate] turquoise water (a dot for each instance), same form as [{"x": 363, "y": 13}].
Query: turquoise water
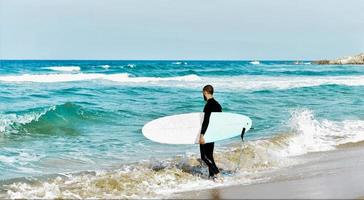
[{"x": 74, "y": 116}]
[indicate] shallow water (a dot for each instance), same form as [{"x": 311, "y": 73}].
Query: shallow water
[{"x": 84, "y": 119}]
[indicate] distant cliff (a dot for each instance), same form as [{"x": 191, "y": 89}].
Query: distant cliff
[{"x": 355, "y": 60}]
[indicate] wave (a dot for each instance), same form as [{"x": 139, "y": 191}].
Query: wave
[
  {"x": 309, "y": 134},
  {"x": 162, "y": 178},
  {"x": 195, "y": 81},
  {"x": 65, "y": 68},
  {"x": 255, "y": 62},
  {"x": 179, "y": 63},
  {"x": 131, "y": 65},
  {"x": 264, "y": 82},
  {"x": 122, "y": 78},
  {"x": 105, "y": 66},
  {"x": 59, "y": 119}
]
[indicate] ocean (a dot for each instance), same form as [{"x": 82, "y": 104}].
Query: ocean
[{"x": 72, "y": 129}]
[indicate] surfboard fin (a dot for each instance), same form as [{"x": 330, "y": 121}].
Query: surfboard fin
[{"x": 242, "y": 134}]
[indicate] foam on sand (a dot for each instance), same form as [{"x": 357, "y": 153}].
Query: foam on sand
[{"x": 325, "y": 175}]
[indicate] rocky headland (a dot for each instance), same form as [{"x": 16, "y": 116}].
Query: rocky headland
[{"x": 349, "y": 60}]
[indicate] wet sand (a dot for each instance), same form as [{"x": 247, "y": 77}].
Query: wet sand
[{"x": 333, "y": 174}]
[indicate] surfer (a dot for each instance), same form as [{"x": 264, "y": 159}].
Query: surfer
[{"x": 207, "y": 149}]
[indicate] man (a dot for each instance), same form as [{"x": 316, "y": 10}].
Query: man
[{"x": 207, "y": 149}]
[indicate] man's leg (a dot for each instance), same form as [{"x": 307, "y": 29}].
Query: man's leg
[
  {"x": 204, "y": 148},
  {"x": 210, "y": 156}
]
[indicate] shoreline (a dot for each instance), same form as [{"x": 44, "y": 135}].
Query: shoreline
[{"x": 330, "y": 174}]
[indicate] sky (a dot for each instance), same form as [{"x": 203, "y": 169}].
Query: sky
[{"x": 181, "y": 29}]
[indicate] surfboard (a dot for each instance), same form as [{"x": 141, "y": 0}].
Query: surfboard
[{"x": 186, "y": 128}]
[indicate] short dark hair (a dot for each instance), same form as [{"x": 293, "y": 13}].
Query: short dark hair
[{"x": 209, "y": 89}]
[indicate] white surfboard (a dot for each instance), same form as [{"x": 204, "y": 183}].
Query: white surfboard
[{"x": 185, "y": 128}]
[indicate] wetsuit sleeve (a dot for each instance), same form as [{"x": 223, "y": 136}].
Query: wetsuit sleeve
[
  {"x": 205, "y": 123},
  {"x": 206, "y": 119}
]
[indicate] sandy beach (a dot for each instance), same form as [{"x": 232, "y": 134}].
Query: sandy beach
[{"x": 336, "y": 174}]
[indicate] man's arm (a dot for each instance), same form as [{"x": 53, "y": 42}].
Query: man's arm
[{"x": 205, "y": 123}]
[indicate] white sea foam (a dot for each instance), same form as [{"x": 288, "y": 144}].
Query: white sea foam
[
  {"x": 51, "y": 78},
  {"x": 122, "y": 77},
  {"x": 179, "y": 63},
  {"x": 20, "y": 158},
  {"x": 194, "y": 81},
  {"x": 127, "y": 182},
  {"x": 312, "y": 135},
  {"x": 6, "y": 120},
  {"x": 7, "y": 159},
  {"x": 309, "y": 134},
  {"x": 255, "y": 62},
  {"x": 105, "y": 66},
  {"x": 266, "y": 82},
  {"x": 131, "y": 65},
  {"x": 65, "y": 68},
  {"x": 186, "y": 78}
]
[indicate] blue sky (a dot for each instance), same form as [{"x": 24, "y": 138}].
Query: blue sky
[{"x": 180, "y": 29}]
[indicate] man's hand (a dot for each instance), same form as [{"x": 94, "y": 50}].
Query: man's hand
[{"x": 202, "y": 139}]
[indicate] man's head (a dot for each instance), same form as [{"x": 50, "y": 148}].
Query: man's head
[{"x": 207, "y": 92}]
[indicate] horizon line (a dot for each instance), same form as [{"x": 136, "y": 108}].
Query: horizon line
[{"x": 11, "y": 59}]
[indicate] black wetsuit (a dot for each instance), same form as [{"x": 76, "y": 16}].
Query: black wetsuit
[{"x": 207, "y": 149}]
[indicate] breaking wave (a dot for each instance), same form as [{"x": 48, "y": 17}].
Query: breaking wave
[
  {"x": 105, "y": 66},
  {"x": 121, "y": 78},
  {"x": 59, "y": 119},
  {"x": 195, "y": 81},
  {"x": 65, "y": 68},
  {"x": 307, "y": 134},
  {"x": 266, "y": 82}
]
